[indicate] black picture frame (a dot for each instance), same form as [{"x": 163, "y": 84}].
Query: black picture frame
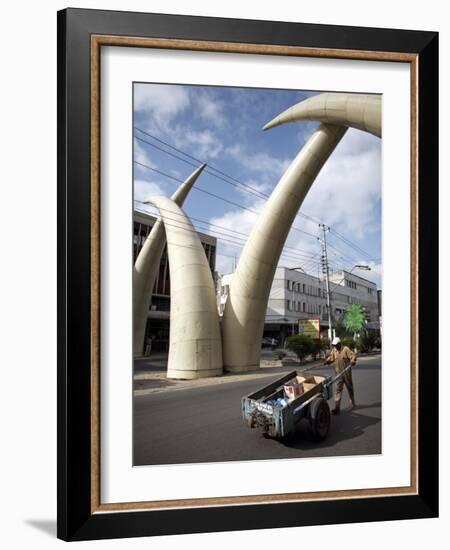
[{"x": 76, "y": 521}]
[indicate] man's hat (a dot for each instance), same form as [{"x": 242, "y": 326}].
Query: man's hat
[{"x": 336, "y": 341}]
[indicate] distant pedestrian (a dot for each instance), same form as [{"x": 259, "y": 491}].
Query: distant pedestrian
[
  {"x": 148, "y": 345},
  {"x": 341, "y": 357}
]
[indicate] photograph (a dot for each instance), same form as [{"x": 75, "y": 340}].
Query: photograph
[{"x": 257, "y": 274}]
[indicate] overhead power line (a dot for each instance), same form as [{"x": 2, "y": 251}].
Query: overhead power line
[
  {"x": 246, "y": 187},
  {"x": 257, "y": 194},
  {"x": 234, "y": 241},
  {"x": 231, "y": 180},
  {"x": 299, "y": 251},
  {"x": 210, "y": 166},
  {"x": 294, "y": 252},
  {"x": 350, "y": 243},
  {"x": 197, "y": 188}
]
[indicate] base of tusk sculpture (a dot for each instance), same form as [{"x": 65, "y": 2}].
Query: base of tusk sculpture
[{"x": 179, "y": 374}]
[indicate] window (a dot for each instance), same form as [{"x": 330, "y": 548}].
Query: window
[{"x": 288, "y": 305}]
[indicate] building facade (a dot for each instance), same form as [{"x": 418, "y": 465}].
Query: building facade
[
  {"x": 348, "y": 288},
  {"x": 159, "y": 313},
  {"x": 297, "y": 295},
  {"x": 294, "y": 295}
]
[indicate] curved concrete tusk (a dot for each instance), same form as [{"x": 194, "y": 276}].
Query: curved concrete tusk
[
  {"x": 195, "y": 349},
  {"x": 147, "y": 265},
  {"x": 245, "y": 309},
  {"x": 361, "y": 111}
]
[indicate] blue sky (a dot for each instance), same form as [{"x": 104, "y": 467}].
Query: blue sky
[{"x": 222, "y": 126}]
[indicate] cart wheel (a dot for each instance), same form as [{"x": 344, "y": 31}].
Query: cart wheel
[{"x": 320, "y": 417}]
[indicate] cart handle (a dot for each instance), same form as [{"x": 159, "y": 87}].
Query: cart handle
[{"x": 339, "y": 375}]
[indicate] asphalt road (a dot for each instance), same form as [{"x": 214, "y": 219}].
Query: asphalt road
[{"x": 205, "y": 424}]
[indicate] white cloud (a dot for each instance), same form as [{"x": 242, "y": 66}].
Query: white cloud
[
  {"x": 142, "y": 191},
  {"x": 260, "y": 163},
  {"x": 348, "y": 187},
  {"x": 160, "y": 102},
  {"x": 141, "y": 155},
  {"x": 209, "y": 108},
  {"x": 298, "y": 250},
  {"x": 375, "y": 274},
  {"x": 205, "y": 143},
  {"x": 240, "y": 221}
]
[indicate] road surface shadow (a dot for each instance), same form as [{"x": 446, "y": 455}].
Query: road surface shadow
[
  {"x": 348, "y": 425},
  {"x": 145, "y": 366},
  {"x": 154, "y": 383}
]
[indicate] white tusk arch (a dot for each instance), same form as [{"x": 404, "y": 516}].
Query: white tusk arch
[
  {"x": 361, "y": 111},
  {"x": 147, "y": 265},
  {"x": 195, "y": 349},
  {"x": 245, "y": 309}
]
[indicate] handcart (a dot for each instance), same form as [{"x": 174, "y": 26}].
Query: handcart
[{"x": 270, "y": 410}]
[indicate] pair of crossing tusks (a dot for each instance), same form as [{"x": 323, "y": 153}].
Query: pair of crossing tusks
[{"x": 199, "y": 346}]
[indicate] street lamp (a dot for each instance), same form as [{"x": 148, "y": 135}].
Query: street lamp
[{"x": 356, "y": 266}]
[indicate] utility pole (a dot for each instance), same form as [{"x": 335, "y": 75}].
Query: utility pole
[{"x": 326, "y": 272}]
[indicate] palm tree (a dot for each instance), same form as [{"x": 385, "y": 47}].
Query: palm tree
[{"x": 354, "y": 319}]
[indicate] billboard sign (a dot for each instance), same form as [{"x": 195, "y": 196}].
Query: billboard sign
[{"x": 309, "y": 327}]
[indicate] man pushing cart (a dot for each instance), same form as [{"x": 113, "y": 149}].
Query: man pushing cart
[{"x": 341, "y": 357}]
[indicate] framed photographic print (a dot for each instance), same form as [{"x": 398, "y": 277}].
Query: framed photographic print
[{"x": 247, "y": 252}]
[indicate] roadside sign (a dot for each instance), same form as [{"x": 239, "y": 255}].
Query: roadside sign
[{"x": 309, "y": 327}]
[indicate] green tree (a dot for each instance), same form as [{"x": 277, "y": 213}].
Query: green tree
[
  {"x": 318, "y": 347},
  {"x": 340, "y": 330},
  {"x": 354, "y": 320},
  {"x": 300, "y": 344}
]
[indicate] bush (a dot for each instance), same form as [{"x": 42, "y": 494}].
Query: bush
[
  {"x": 367, "y": 341},
  {"x": 350, "y": 343},
  {"x": 279, "y": 353},
  {"x": 318, "y": 347},
  {"x": 300, "y": 344}
]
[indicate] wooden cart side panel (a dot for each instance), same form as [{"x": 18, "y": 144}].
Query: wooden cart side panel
[{"x": 270, "y": 388}]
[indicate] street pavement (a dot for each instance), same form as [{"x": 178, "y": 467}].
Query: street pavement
[{"x": 204, "y": 424}]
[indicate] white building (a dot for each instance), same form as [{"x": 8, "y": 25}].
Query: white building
[
  {"x": 349, "y": 288},
  {"x": 297, "y": 295}
]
